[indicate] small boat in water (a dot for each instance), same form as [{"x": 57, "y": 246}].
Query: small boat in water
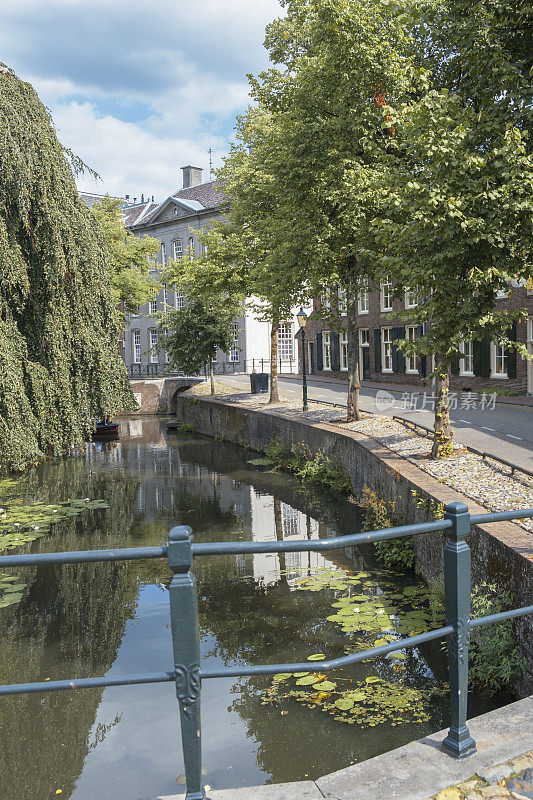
[{"x": 105, "y": 430}]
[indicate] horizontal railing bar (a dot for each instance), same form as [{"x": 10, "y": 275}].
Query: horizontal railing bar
[
  {"x": 334, "y": 663},
  {"x": 499, "y": 516},
  {"x": 82, "y": 556},
  {"x": 86, "y": 683},
  {"x": 517, "y": 612},
  {"x": 314, "y": 545}
]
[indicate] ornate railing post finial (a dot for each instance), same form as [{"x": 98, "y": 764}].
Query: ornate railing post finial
[
  {"x": 186, "y": 646},
  {"x": 457, "y": 581}
]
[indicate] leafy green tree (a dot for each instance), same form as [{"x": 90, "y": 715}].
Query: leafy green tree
[
  {"x": 193, "y": 336},
  {"x": 58, "y": 331},
  {"x": 130, "y": 258}
]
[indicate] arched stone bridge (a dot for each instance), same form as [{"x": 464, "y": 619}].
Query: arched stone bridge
[{"x": 158, "y": 395}]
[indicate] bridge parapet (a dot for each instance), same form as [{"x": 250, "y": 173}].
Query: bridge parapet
[{"x": 158, "y": 395}]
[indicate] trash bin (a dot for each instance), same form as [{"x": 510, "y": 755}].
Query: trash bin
[{"x": 259, "y": 382}]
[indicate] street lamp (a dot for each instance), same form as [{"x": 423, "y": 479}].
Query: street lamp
[{"x": 301, "y": 316}]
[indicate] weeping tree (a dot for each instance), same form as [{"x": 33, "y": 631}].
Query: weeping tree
[{"x": 58, "y": 321}]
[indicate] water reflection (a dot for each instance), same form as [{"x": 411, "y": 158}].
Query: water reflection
[{"x": 88, "y": 620}]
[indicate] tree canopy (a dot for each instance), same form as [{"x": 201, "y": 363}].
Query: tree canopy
[
  {"x": 58, "y": 329},
  {"x": 129, "y": 258}
]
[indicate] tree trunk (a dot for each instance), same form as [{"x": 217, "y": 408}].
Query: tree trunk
[
  {"x": 212, "y": 375},
  {"x": 354, "y": 382},
  {"x": 274, "y": 395},
  {"x": 442, "y": 438}
]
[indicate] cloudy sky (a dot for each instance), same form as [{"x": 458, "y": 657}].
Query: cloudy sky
[{"x": 136, "y": 88}]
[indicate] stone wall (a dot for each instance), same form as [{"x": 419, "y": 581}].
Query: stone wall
[{"x": 501, "y": 553}]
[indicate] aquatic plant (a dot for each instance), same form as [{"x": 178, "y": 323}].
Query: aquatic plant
[
  {"x": 393, "y": 553},
  {"x": 316, "y": 469}
]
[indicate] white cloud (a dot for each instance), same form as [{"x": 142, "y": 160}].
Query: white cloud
[{"x": 136, "y": 89}]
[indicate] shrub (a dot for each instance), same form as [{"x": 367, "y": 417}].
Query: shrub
[
  {"x": 318, "y": 469},
  {"x": 393, "y": 553}
]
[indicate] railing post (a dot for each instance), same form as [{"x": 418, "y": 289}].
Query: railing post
[
  {"x": 186, "y": 646},
  {"x": 458, "y": 742}
]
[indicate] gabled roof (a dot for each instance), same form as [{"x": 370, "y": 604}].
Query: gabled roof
[
  {"x": 208, "y": 194},
  {"x": 134, "y": 215}
]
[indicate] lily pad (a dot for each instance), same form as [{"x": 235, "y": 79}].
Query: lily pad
[
  {"x": 344, "y": 703},
  {"x": 308, "y": 680},
  {"x": 325, "y": 686}
]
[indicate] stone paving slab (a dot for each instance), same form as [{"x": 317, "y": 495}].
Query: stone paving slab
[
  {"x": 299, "y": 790},
  {"x": 420, "y": 769}
]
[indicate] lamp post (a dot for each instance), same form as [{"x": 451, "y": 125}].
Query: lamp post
[{"x": 301, "y": 316}]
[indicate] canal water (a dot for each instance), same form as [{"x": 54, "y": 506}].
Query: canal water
[{"x": 123, "y": 743}]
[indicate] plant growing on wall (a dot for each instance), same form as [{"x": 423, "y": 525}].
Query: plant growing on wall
[{"x": 58, "y": 323}]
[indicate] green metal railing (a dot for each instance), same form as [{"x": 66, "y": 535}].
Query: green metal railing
[{"x": 187, "y": 673}]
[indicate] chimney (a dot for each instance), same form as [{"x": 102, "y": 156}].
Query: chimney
[
  {"x": 142, "y": 198},
  {"x": 126, "y": 197},
  {"x": 192, "y": 176}
]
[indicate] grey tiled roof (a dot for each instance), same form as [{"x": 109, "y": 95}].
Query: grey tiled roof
[
  {"x": 208, "y": 194},
  {"x": 90, "y": 198},
  {"x": 133, "y": 215}
]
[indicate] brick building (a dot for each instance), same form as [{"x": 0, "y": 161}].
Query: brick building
[{"x": 483, "y": 366}]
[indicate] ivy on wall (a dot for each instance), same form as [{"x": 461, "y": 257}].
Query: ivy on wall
[{"x": 59, "y": 352}]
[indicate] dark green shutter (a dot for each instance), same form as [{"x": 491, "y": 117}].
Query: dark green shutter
[
  {"x": 319, "y": 360},
  {"x": 454, "y": 366},
  {"x": 482, "y": 358},
  {"x": 377, "y": 349},
  {"x": 335, "y": 353},
  {"x": 511, "y": 354},
  {"x": 400, "y": 356}
]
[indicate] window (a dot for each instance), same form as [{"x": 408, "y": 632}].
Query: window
[
  {"x": 285, "y": 341},
  {"x": 326, "y": 350},
  {"x": 152, "y": 306},
  {"x": 386, "y": 349},
  {"x": 192, "y": 252},
  {"x": 178, "y": 249},
  {"x": 234, "y": 349},
  {"x": 136, "y": 342},
  {"x": 466, "y": 362},
  {"x": 163, "y": 254},
  {"x": 167, "y": 355},
  {"x": 502, "y": 294},
  {"x": 411, "y": 298},
  {"x": 343, "y": 300},
  {"x": 325, "y": 298},
  {"x": 362, "y": 301},
  {"x": 289, "y": 520},
  {"x": 165, "y": 295},
  {"x": 180, "y": 300},
  {"x": 344, "y": 350},
  {"x": 410, "y": 361},
  {"x": 498, "y": 360},
  {"x": 154, "y": 355},
  {"x": 364, "y": 337},
  {"x": 386, "y": 295}
]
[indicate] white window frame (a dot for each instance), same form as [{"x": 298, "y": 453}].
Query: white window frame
[
  {"x": 180, "y": 301},
  {"x": 363, "y": 298},
  {"x": 386, "y": 350},
  {"x": 344, "y": 350},
  {"x": 385, "y": 295},
  {"x": 502, "y": 294},
  {"x": 177, "y": 248},
  {"x": 364, "y": 337},
  {"x": 325, "y": 298},
  {"x": 152, "y": 306},
  {"x": 165, "y": 295},
  {"x": 410, "y": 361},
  {"x": 163, "y": 253},
  {"x": 285, "y": 342},
  {"x": 466, "y": 362},
  {"x": 153, "y": 338},
  {"x": 136, "y": 347},
  {"x": 498, "y": 361},
  {"x": 411, "y": 298},
  {"x": 192, "y": 248},
  {"x": 234, "y": 352},
  {"x": 342, "y": 302},
  {"x": 326, "y": 350}
]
